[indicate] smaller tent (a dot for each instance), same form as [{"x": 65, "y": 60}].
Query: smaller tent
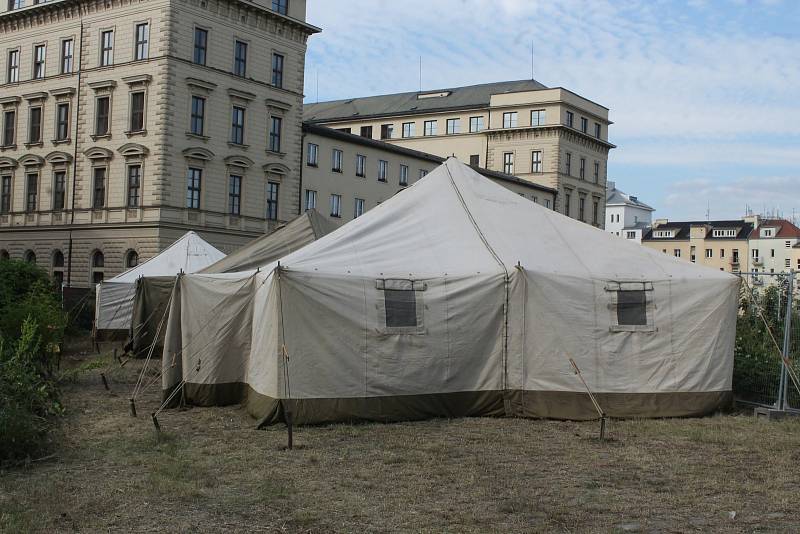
[
  {"x": 114, "y": 302},
  {"x": 152, "y": 292}
]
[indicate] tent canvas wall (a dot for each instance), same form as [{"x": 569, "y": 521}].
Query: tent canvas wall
[
  {"x": 114, "y": 301},
  {"x": 456, "y": 297},
  {"x": 152, "y": 293}
]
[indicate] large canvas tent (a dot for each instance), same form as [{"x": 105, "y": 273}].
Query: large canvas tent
[
  {"x": 152, "y": 293},
  {"x": 114, "y": 301},
  {"x": 456, "y": 297}
]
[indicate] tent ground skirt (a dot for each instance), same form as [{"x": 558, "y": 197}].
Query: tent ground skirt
[{"x": 517, "y": 403}]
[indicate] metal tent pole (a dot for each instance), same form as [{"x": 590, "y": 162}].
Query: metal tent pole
[{"x": 787, "y": 329}]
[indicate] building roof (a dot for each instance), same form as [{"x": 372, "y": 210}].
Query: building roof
[
  {"x": 785, "y": 228},
  {"x": 332, "y": 133},
  {"x": 615, "y": 197},
  {"x": 641, "y": 225},
  {"x": 471, "y": 96},
  {"x": 683, "y": 229}
]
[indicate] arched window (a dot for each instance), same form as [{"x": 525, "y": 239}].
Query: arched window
[
  {"x": 131, "y": 259},
  {"x": 98, "y": 263},
  {"x": 58, "y": 259},
  {"x": 29, "y": 256},
  {"x": 4, "y": 255}
]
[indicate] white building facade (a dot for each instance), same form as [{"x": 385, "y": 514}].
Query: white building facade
[{"x": 626, "y": 215}]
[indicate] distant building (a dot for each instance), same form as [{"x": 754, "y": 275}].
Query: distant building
[
  {"x": 344, "y": 175},
  {"x": 546, "y": 135},
  {"x": 721, "y": 245},
  {"x": 774, "y": 246},
  {"x": 626, "y": 215}
]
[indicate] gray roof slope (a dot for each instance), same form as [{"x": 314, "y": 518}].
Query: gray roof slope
[
  {"x": 471, "y": 96},
  {"x": 615, "y": 196}
]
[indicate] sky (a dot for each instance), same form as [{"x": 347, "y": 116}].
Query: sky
[{"x": 704, "y": 95}]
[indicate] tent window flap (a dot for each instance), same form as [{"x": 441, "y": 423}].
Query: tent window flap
[
  {"x": 632, "y": 306},
  {"x": 400, "y": 306}
]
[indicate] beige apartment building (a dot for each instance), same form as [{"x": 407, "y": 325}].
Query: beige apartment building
[
  {"x": 126, "y": 123},
  {"x": 344, "y": 174},
  {"x": 722, "y": 245},
  {"x": 548, "y": 136}
]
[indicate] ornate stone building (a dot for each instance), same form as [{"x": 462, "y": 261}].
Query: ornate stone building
[{"x": 125, "y": 123}]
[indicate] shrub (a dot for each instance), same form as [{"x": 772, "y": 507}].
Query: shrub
[{"x": 27, "y": 291}]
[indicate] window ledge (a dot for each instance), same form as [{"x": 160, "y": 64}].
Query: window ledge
[
  {"x": 137, "y": 133},
  {"x": 311, "y": 165},
  {"x": 336, "y": 216},
  {"x": 337, "y": 170},
  {"x": 36, "y": 144},
  {"x": 95, "y": 137},
  {"x": 403, "y": 184},
  {"x": 382, "y": 180},
  {"x": 61, "y": 141},
  {"x": 274, "y": 153},
  {"x": 238, "y": 145},
  {"x": 361, "y": 175},
  {"x": 191, "y": 135},
  {"x": 8, "y": 147}
]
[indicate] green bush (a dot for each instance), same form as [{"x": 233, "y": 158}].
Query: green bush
[{"x": 31, "y": 329}]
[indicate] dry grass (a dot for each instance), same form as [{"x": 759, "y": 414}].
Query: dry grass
[{"x": 212, "y": 471}]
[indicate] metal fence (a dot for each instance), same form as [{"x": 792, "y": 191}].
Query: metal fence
[{"x": 767, "y": 352}]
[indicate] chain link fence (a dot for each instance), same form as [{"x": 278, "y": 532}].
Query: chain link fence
[{"x": 767, "y": 335}]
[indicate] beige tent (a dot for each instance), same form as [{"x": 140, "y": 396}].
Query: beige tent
[
  {"x": 456, "y": 297},
  {"x": 152, "y": 293}
]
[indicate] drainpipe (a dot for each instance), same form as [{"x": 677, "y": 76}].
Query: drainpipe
[
  {"x": 75, "y": 152},
  {"x": 302, "y": 145}
]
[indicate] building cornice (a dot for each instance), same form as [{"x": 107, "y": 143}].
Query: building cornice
[{"x": 559, "y": 129}]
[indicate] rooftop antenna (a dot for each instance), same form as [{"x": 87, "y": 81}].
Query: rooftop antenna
[
  {"x": 708, "y": 210},
  {"x": 532, "y": 59},
  {"x": 317, "y": 85}
]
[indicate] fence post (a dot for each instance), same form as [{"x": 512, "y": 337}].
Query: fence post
[{"x": 787, "y": 325}]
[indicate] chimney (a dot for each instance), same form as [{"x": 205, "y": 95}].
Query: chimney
[
  {"x": 755, "y": 219},
  {"x": 611, "y": 185},
  {"x": 633, "y": 198},
  {"x": 659, "y": 222}
]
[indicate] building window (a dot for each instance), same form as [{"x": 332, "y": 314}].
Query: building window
[
  {"x": 272, "y": 201},
  {"x": 536, "y": 161},
  {"x": 429, "y": 128},
  {"x": 508, "y": 162},
  {"x": 311, "y": 199},
  {"x": 240, "y": 58},
  {"x": 537, "y": 117},
  {"x": 630, "y": 235},
  {"x": 567, "y": 202},
  {"x": 453, "y": 126},
  {"x": 312, "y": 155},
  {"x": 15, "y": 4},
  {"x": 709, "y": 253},
  {"x": 131, "y": 259},
  {"x": 343, "y": 130},
  {"x": 787, "y": 244},
  {"x": 596, "y": 174},
  {"x": 99, "y": 188},
  {"x": 280, "y": 6},
  {"x": 722, "y": 253},
  {"x": 582, "y": 168},
  {"x": 39, "y": 55},
  {"x": 137, "y": 112},
  {"x": 237, "y": 125},
  {"x": 102, "y": 107},
  {"x": 277, "y": 70},
  {"x": 59, "y": 189},
  {"x": 275, "y": 134},
  {"x": 584, "y": 124},
  {"x": 35, "y": 125},
  {"x": 106, "y": 48},
  {"x": 677, "y": 252},
  {"x": 422, "y": 173},
  {"x": 787, "y": 263},
  {"x": 142, "y": 50},
  {"x": 510, "y": 119},
  {"x": 5, "y": 194},
  {"x": 366, "y": 131},
  {"x": 9, "y": 127},
  {"x": 66, "y": 55},
  {"x": 12, "y": 72},
  {"x": 597, "y": 130},
  {"x": 193, "y": 188},
  {"x": 62, "y": 121},
  {"x": 570, "y": 118},
  {"x": 200, "y": 45},
  {"x": 387, "y": 130},
  {"x": 134, "y": 185},
  {"x": 235, "y": 195},
  {"x": 4, "y": 255},
  {"x": 383, "y": 165},
  {"x": 408, "y": 129},
  {"x": 336, "y": 160},
  {"x": 403, "y": 174},
  {"x": 358, "y": 209},
  {"x": 582, "y": 209},
  {"x": 568, "y": 163},
  {"x": 98, "y": 262},
  {"x": 336, "y": 205},
  {"x": 475, "y": 124},
  {"x": 197, "y": 125},
  {"x": 58, "y": 259},
  {"x": 475, "y": 160},
  {"x": 361, "y": 164},
  {"x": 32, "y": 192}
]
